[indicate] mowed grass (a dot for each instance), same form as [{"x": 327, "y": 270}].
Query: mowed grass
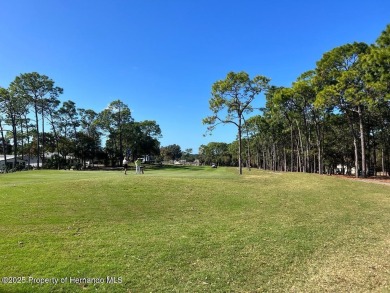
[{"x": 193, "y": 230}]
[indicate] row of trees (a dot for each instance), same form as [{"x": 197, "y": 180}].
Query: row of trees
[
  {"x": 37, "y": 122},
  {"x": 338, "y": 113},
  {"x": 173, "y": 152}
]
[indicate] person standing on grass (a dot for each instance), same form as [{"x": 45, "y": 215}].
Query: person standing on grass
[
  {"x": 138, "y": 166},
  {"x": 125, "y": 165}
]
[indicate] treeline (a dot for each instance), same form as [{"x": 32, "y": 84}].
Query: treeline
[
  {"x": 34, "y": 122},
  {"x": 337, "y": 114}
]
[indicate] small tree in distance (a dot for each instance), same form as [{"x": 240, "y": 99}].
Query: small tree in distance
[{"x": 171, "y": 152}]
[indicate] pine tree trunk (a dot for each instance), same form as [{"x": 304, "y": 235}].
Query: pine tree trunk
[
  {"x": 362, "y": 144},
  {"x": 239, "y": 145},
  {"x": 292, "y": 150},
  {"x": 37, "y": 129},
  {"x": 388, "y": 164},
  {"x": 354, "y": 145},
  {"x": 43, "y": 139},
  {"x": 319, "y": 148},
  {"x": 28, "y": 140},
  {"x": 300, "y": 150},
  {"x": 383, "y": 162},
  {"x": 356, "y": 157},
  {"x": 14, "y": 136},
  {"x": 22, "y": 135},
  {"x": 274, "y": 158},
  {"x": 4, "y": 149},
  {"x": 298, "y": 159},
  {"x": 249, "y": 153}
]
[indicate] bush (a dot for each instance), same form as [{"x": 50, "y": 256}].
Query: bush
[
  {"x": 76, "y": 166},
  {"x": 54, "y": 162},
  {"x": 19, "y": 167}
]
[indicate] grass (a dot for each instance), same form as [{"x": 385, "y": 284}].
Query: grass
[{"x": 193, "y": 230}]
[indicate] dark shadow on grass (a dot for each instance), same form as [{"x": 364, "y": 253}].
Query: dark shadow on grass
[
  {"x": 171, "y": 168},
  {"x": 178, "y": 168}
]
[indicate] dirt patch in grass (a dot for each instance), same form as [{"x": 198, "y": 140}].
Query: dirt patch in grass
[{"x": 377, "y": 179}]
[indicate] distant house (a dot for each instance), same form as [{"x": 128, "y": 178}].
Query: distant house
[
  {"x": 34, "y": 159},
  {"x": 11, "y": 162}
]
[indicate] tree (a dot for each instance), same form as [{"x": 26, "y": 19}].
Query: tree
[
  {"x": 54, "y": 121},
  {"x": 86, "y": 147},
  {"x": 150, "y": 133},
  {"x": 5, "y": 103},
  {"x": 376, "y": 65},
  {"x": 188, "y": 155},
  {"x": 67, "y": 124},
  {"x": 112, "y": 120},
  {"x": 253, "y": 126},
  {"x": 215, "y": 152},
  {"x": 48, "y": 107},
  {"x": 3, "y": 141},
  {"x": 171, "y": 152},
  {"x": 35, "y": 88},
  {"x": 89, "y": 134},
  {"x": 232, "y": 97},
  {"x": 304, "y": 92},
  {"x": 14, "y": 107},
  {"x": 142, "y": 138},
  {"x": 88, "y": 121},
  {"x": 341, "y": 76}
]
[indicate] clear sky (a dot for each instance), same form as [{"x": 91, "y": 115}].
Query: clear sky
[{"x": 161, "y": 57}]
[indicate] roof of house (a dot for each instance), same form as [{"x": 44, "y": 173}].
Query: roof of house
[{"x": 11, "y": 158}]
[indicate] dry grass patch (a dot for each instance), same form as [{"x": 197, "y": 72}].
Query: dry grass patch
[{"x": 345, "y": 269}]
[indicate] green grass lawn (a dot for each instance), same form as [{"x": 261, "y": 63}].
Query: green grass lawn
[{"x": 192, "y": 230}]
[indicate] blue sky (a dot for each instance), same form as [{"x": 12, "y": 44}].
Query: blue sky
[{"x": 162, "y": 57}]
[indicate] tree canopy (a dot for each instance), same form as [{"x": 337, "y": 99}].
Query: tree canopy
[
  {"x": 66, "y": 130},
  {"x": 231, "y": 101},
  {"x": 333, "y": 118}
]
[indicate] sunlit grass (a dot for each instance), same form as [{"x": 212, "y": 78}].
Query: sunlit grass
[{"x": 194, "y": 230}]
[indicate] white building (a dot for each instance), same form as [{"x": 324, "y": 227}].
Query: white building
[{"x": 11, "y": 162}]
